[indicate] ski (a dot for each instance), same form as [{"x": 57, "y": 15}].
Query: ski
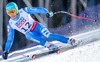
[{"x": 60, "y": 50}]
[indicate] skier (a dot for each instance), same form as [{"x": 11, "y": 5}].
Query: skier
[{"x": 21, "y": 21}]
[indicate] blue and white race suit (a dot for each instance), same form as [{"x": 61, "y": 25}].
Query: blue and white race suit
[{"x": 32, "y": 29}]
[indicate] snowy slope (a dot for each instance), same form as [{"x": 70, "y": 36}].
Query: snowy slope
[{"x": 86, "y": 53}]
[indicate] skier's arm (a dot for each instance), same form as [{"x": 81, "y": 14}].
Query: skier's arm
[
  {"x": 35, "y": 10},
  {"x": 10, "y": 38},
  {"x": 38, "y": 10},
  {"x": 9, "y": 42}
]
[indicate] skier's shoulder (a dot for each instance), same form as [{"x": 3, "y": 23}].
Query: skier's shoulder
[
  {"x": 10, "y": 21},
  {"x": 22, "y": 10},
  {"x": 9, "y": 24}
]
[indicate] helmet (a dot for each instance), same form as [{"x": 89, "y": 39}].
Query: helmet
[{"x": 11, "y": 6}]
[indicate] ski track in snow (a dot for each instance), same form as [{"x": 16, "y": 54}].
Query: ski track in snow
[{"x": 86, "y": 53}]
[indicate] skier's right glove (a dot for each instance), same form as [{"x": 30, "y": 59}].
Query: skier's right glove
[
  {"x": 5, "y": 55},
  {"x": 49, "y": 14}
]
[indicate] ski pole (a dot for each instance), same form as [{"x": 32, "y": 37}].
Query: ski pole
[
  {"x": 22, "y": 54},
  {"x": 85, "y": 18}
]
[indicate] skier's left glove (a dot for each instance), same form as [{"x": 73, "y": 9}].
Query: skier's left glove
[
  {"x": 49, "y": 14},
  {"x": 5, "y": 55}
]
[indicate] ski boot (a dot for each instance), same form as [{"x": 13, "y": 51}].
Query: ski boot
[
  {"x": 53, "y": 48},
  {"x": 72, "y": 41}
]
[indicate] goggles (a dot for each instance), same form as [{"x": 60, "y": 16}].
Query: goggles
[{"x": 11, "y": 12}]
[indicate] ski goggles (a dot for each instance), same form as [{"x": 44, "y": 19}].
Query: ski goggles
[{"x": 11, "y": 12}]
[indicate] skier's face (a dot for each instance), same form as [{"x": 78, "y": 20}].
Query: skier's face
[
  {"x": 13, "y": 16},
  {"x": 12, "y": 13}
]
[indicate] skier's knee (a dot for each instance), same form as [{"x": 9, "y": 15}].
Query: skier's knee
[{"x": 45, "y": 32}]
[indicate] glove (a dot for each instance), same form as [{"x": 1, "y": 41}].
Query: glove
[
  {"x": 49, "y": 14},
  {"x": 5, "y": 55}
]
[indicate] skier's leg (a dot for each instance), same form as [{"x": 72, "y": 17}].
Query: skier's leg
[
  {"x": 61, "y": 38},
  {"x": 34, "y": 37},
  {"x": 45, "y": 32}
]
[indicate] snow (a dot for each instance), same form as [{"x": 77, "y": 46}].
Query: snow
[{"x": 87, "y": 51}]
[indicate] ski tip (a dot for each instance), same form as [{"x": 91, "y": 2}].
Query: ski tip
[
  {"x": 58, "y": 52},
  {"x": 34, "y": 56}
]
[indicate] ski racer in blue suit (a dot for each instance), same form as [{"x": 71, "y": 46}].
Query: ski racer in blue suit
[{"x": 21, "y": 21}]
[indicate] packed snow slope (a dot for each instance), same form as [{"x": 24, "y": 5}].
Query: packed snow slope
[{"x": 87, "y": 51}]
